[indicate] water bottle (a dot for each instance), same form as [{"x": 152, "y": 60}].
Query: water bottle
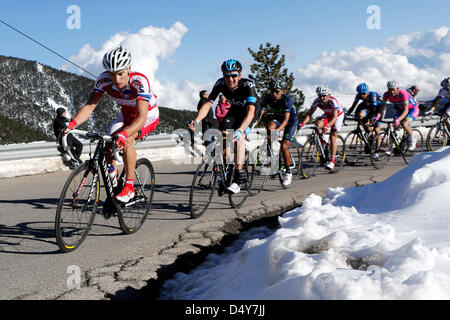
[{"x": 112, "y": 175}]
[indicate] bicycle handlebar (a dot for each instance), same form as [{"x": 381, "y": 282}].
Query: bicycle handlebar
[{"x": 92, "y": 136}]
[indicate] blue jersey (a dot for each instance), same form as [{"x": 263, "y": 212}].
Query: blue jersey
[
  {"x": 280, "y": 107},
  {"x": 373, "y": 100}
]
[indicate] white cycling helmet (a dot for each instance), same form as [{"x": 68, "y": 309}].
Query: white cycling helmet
[
  {"x": 323, "y": 90},
  {"x": 116, "y": 59},
  {"x": 393, "y": 84}
]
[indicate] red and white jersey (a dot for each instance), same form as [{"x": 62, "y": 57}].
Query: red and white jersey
[
  {"x": 328, "y": 107},
  {"x": 138, "y": 88}
]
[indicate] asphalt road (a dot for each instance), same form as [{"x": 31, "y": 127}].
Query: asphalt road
[{"x": 31, "y": 266}]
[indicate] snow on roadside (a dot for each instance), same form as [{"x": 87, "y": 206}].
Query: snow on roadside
[{"x": 388, "y": 240}]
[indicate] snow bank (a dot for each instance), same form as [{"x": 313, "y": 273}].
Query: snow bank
[{"x": 388, "y": 240}]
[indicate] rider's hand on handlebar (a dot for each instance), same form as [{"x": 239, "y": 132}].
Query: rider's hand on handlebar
[
  {"x": 121, "y": 139},
  {"x": 191, "y": 124}
]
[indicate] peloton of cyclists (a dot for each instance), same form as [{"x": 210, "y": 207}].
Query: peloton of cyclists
[
  {"x": 333, "y": 118},
  {"x": 139, "y": 110}
]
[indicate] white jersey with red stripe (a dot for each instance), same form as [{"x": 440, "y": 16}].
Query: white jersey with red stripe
[
  {"x": 328, "y": 107},
  {"x": 138, "y": 88}
]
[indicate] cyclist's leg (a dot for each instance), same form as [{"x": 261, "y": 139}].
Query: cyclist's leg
[
  {"x": 334, "y": 134},
  {"x": 446, "y": 110},
  {"x": 288, "y": 137}
]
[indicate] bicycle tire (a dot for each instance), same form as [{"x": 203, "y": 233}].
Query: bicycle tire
[
  {"x": 408, "y": 154},
  {"x": 133, "y": 214},
  {"x": 340, "y": 155},
  {"x": 72, "y": 225},
  {"x": 236, "y": 200},
  {"x": 259, "y": 179},
  {"x": 436, "y": 137},
  {"x": 383, "y": 152},
  {"x": 202, "y": 187},
  {"x": 355, "y": 148},
  {"x": 295, "y": 155},
  {"x": 309, "y": 159}
]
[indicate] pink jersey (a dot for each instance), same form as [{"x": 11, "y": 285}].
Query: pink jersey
[
  {"x": 138, "y": 88},
  {"x": 399, "y": 100},
  {"x": 328, "y": 107}
]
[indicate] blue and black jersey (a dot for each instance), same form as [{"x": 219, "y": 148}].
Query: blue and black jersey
[
  {"x": 245, "y": 94},
  {"x": 279, "y": 107}
]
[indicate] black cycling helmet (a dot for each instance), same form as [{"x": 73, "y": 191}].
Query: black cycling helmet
[
  {"x": 60, "y": 111},
  {"x": 277, "y": 84},
  {"x": 231, "y": 65}
]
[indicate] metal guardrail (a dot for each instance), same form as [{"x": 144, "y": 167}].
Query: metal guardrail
[{"x": 49, "y": 149}]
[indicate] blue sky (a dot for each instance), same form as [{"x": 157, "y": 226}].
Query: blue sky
[{"x": 217, "y": 30}]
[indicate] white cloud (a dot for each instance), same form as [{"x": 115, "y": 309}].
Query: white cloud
[
  {"x": 148, "y": 46},
  {"x": 422, "y": 59}
]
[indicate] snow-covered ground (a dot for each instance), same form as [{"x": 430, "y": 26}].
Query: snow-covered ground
[{"x": 389, "y": 240}]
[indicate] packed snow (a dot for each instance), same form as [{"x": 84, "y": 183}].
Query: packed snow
[{"x": 389, "y": 240}]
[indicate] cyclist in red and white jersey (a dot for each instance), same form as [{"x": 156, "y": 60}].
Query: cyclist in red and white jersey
[
  {"x": 333, "y": 118},
  {"x": 139, "y": 110}
]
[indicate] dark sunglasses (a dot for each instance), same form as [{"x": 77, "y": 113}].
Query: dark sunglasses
[
  {"x": 231, "y": 75},
  {"x": 323, "y": 96},
  {"x": 276, "y": 90}
]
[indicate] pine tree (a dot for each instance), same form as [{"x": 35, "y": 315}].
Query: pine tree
[{"x": 270, "y": 65}]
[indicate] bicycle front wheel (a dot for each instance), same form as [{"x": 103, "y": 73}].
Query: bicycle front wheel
[
  {"x": 355, "y": 148},
  {"x": 309, "y": 159},
  {"x": 236, "y": 200},
  {"x": 407, "y": 151},
  {"x": 340, "y": 155},
  {"x": 436, "y": 138},
  {"x": 202, "y": 188},
  {"x": 132, "y": 214},
  {"x": 382, "y": 149},
  {"x": 76, "y": 208},
  {"x": 259, "y": 175}
]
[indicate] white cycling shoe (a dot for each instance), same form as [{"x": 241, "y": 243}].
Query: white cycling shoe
[
  {"x": 287, "y": 179},
  {"x": 234, "y": 188},
  {"x": 330, "y": 165}
]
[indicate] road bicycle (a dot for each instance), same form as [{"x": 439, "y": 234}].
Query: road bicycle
[
  {"x": 438, "y": 135},
  {"x": 316, "y": 152},
  {"x": 266, "y": 166},
  {"x": 79, "y": 199},
  {"x": 392, "y": 144},
  {"x": 213, "y": 173},
  {"x": 358, "y": 144}
]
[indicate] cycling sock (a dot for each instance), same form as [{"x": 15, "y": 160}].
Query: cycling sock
[
  {"x": 130, "y": 182},
  {"x": 333, "y": 158}
]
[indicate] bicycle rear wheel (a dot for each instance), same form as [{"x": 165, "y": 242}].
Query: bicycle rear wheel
[
  {"x": 436, "y": 138},
  {"x": 76, "y": 208},
  {"x": 309, "y": 159},
  {"x": 202, "y": 188},
  {"x": 132, "y": 214}
]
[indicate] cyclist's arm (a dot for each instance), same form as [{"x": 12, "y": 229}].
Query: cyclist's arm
[
  {"x": 85, "y": 112},
  {"x": 352, "y": 107},
  {"x": 248, "y": 118},
  {"x": 283, "y": 125},
  {"x": 308, "y": 117},
  {"x": 435, "y": 103},
  {"x": 405, "y": 111},
  {"x": 203, "y": 111}
]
